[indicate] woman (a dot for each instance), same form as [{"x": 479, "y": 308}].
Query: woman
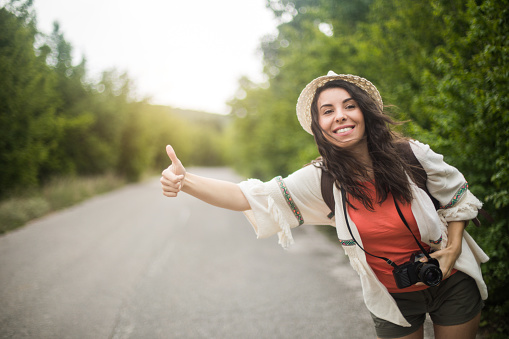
[{"x": 382, "y": 217}]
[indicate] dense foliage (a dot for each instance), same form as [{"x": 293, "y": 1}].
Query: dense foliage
[
  {"x": 444, "y": 64},
  {"x": 55, "y": 121}
]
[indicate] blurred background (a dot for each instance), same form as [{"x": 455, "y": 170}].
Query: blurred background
[{"x": 89, "y": 111}]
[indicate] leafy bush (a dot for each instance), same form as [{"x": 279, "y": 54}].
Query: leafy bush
[{"x": 16, "y": 212}]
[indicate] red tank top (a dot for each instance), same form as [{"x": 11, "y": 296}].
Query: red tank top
[{"x": 384, "y": 234}]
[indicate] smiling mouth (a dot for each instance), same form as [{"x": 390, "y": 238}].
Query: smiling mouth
[{"x": 343, "y": 130}]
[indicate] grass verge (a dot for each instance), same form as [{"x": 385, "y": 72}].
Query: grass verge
[{"x": 18, "y": 209}]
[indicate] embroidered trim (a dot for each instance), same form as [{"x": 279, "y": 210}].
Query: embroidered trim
[
  {"x": 289, "y": 200},
  {"x": 436, "y": 242},
  {"x": 457, "y": 196},
  {"x": 349, "y": 242}
]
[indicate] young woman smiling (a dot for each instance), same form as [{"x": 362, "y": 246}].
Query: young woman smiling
[{"x": 382, "y": 215}]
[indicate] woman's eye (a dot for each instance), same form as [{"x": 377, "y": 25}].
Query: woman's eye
[
  {"x": 327, "y": 112},
  {"x": 350, "y": 107}
]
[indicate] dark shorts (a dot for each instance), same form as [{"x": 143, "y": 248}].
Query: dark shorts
[{"x": 455, "y": 301}]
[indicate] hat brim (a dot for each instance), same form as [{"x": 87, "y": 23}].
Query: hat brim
[{"x": 308, "y": 93}]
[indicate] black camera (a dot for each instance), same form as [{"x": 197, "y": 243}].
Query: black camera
[{"x": 415, "y": 271}]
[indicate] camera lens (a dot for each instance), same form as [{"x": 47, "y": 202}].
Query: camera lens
[{"x": 429, "y": 274}]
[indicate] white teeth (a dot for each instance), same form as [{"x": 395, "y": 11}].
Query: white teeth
[{"x": 344, "y": 129}]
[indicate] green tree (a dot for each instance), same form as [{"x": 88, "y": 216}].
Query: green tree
[
  {"x": 27, "y": 100},
  {"x": 55, "y": 121},
  {"x": 466, "y": 96},
  {"x": 74, "y": 117},
  {"x": 136, "y": 154}
]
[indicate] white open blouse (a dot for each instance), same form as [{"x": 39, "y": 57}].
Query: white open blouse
[{"x": 280, "y": 204}]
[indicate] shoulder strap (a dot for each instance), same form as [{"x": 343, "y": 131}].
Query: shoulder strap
[
  {"x": 418, "y": 173},
  {"x": 420, "y": 178},
  {"x": 327, "y": 184}
]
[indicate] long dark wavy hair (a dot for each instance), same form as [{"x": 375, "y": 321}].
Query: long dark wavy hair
[{"x": 389, "y": 168}]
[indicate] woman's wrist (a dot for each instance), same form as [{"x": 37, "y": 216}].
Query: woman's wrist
[
  {"x": 455, "y": 236},
  {"x": 187, "y": 183}
]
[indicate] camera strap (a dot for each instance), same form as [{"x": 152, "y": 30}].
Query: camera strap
[
  {"x": 388, "y": 261},
  {"x": 413, "y": 235}
]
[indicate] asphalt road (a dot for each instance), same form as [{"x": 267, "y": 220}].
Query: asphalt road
[{"x": 134, "y": 264}]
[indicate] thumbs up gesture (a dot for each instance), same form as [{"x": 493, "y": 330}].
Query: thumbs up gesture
[{"x": 172, "y": 179}]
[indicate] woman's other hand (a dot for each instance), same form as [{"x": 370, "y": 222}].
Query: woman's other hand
[{"x": 447, "y": 258}]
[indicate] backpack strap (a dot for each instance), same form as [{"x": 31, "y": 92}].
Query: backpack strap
[
  {"x": 327, "y": 185},
  {"x": 419, "y": 175}
]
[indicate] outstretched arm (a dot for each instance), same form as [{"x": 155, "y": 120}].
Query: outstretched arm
[{"x": 212, "y": 191}]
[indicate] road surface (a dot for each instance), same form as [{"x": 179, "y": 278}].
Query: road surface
[{"x": 134, "y": 264}]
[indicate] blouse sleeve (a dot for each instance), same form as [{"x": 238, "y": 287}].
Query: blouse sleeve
[
  {"x": 280, "y": 204},
  {"x": 447, "y": 185}
]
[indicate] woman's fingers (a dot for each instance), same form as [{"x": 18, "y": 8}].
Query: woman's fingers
[{"x": 170, "y": 182}]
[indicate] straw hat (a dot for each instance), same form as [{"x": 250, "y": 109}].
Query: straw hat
[{"x": 308, "y": 94}]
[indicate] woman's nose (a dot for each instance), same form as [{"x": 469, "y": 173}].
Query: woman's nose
[{"x": 340, "y": 115}]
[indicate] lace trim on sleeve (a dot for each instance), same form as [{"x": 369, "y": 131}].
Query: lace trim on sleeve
[
  {"x": 355, "y": 262},
  {"x": 274, "y": 211},
  {"x": 289, "y": 200},
  {"x": 465, "y": 209},
  {"x": 285, "y": 235},
  {"x": 457, "y": 197}
]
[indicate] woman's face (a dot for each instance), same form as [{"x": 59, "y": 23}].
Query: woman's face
[{"x": 340, "y": 118}]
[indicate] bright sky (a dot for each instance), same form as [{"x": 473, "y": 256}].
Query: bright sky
[{"x": 186, "y": 53}]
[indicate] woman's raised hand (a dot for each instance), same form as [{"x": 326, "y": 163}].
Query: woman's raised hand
[
  {"x": 173, "y": 178},
  {"x": 219, "y": 193}
]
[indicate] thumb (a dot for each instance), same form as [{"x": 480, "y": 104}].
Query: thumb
[
  {"x": 172, "y": 155},
  {"x": 176, "y": 165}
]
